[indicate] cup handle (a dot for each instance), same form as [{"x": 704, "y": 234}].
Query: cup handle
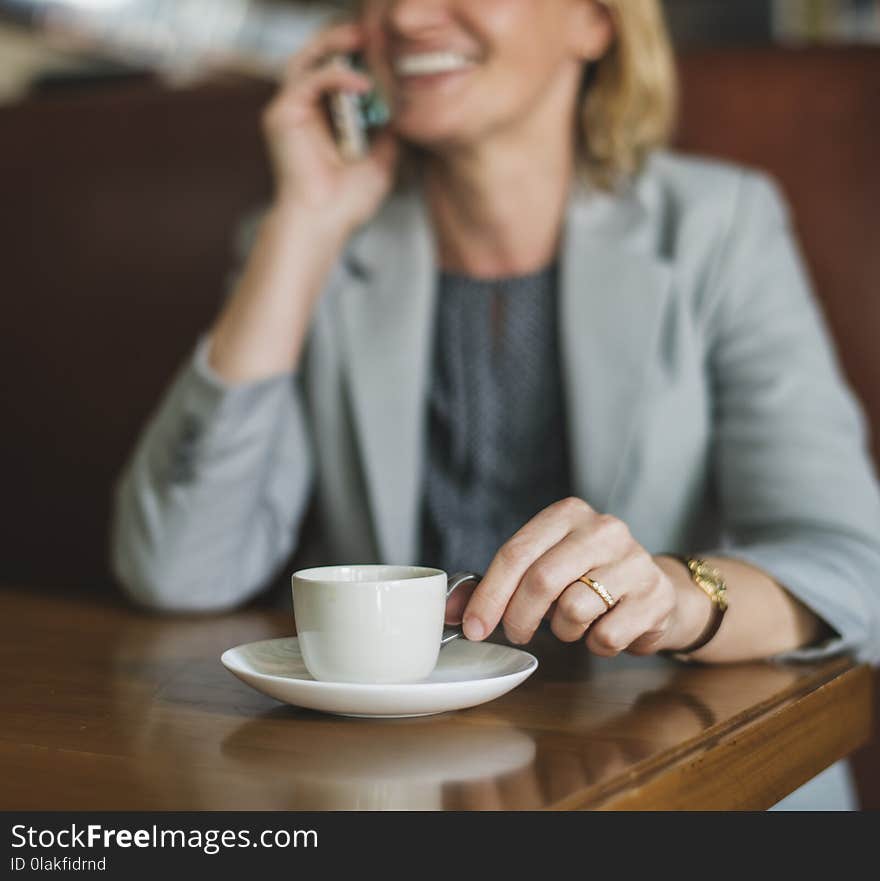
[{"x": 450, "y": 634}]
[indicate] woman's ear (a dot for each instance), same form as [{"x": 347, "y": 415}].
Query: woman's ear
[{"x": 592, "y": 29}]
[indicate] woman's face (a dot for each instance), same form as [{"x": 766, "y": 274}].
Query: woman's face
[{"x": 460, "y": 71}]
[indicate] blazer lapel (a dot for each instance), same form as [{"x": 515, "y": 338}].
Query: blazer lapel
[
  {"x": 387, "y": 324},
  {"x": 614, "y": 291}
]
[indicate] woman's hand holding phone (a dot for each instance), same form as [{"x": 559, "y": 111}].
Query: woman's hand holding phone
[
  {"x": 320, "y": 199},
  {"x": 310, "y": 172}
]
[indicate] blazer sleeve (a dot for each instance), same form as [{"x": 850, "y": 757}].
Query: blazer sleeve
[
  {"x": 796, "y": 484},
  {"x": 211, "y": 502}
]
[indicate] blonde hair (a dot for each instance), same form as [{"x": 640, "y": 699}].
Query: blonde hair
[{"x": 629, "y": 102}]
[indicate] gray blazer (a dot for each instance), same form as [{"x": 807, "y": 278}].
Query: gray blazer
[{"x": 705, "y": 408}]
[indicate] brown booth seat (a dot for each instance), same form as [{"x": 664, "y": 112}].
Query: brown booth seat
[{"x": 117, "y": 208}]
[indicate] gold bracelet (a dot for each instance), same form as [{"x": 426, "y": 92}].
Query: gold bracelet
[{"x": 710, "y": 581}]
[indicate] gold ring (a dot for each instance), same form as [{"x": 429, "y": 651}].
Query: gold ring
[{"x": 601, "y": 590}]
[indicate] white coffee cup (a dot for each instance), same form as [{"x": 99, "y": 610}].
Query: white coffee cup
[{"x": 375, "y": 624}]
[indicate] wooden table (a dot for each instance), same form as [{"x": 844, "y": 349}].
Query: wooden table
[{"x": 106, "y": 708}]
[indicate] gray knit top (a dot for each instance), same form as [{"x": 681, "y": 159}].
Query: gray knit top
[{"x": 497, "y": 450}]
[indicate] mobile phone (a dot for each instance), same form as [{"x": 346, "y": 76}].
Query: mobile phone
[{"x": 353, "y": 116}]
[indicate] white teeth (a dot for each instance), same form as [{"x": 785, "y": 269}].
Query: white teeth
[{"x": 430, "y": 62}]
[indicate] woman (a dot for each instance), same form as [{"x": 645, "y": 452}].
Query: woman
[{"x": 557, "y": 355}]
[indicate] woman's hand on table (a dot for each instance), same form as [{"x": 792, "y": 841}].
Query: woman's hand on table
[{"x": 535, "y": 575}]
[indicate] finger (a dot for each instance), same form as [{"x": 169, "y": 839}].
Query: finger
[
  {"x": 562, "y": 773},
  {"x": 577, "y": 608},
  {"x": 296, "y": 104},
  {"x": 482, "y": 795},
  {"x": 645, "y": 607},
  {"x": 648, "y": 643},
  {"x": 332, "y": 77},
  {"x": 383, "y": 155},
  {"x": 521, "y": 790},
  {"x": 590, "y": 545},
  {"x": 457, "y": 602},
  {"x": 602, "y": 760},
  {"x": 338, "y": 39},
  {"x": 385, "y": 149},
  {"x": 512, "y": 561},
  {"x": 580, "y": 605}
]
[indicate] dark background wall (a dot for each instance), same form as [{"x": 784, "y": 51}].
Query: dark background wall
[{"x": 720, "y": 22}]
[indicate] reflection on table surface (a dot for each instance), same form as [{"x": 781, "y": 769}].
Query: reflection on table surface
[{"x": 107, "y": 708}]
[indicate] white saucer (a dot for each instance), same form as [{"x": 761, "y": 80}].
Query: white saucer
[{"x": 467, "y": 674}]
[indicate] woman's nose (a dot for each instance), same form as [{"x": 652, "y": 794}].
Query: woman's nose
[{"x": 408, "y": 16}]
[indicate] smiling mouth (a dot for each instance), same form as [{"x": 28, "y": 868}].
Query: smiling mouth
[{"x": 431, "y": 63}]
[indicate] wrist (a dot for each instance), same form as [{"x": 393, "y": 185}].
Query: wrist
[
  {"x": 292, "y": 218},
  {"x": 261, "y": 329},
  {"x": 693, "y": 608}
]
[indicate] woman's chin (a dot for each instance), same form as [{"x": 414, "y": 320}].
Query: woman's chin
[{"x": 433, "y": 135}]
